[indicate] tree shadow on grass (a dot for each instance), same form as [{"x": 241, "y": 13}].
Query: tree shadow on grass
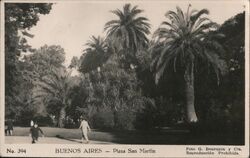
[
  {"x": 177, "y": 137},
  {"x": 145, "y": 137}
]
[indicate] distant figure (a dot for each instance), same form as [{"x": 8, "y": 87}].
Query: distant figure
[
  {"x": 85, "y": 128},
  {"x": 9, "y": 127},
  {"x": 31, "y": 123},
  {"x": 34, "y": 131}
]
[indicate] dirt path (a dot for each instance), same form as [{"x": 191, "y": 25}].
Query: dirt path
[{"x": 47, "y": 140}]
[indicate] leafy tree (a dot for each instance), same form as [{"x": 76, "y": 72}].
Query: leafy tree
[
  {"x": 19, "y": 18},
  {"x": 75, "y": 62},
  {"x": 184, "y": 40},
  {"x": 111, "y": 91},
  {"x": 225, "y": 103},
  {"x": 232, "y": 91},
  {"x": 44, "y": 60},
  {"x": 234, "y": 43},
  {"x": 128, "y": 33},
  {"x": 33, "y": 67}
]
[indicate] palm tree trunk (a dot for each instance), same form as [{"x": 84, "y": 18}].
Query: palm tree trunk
[
  {"x": 61, "y": 117},
  {"x": 189, "y": 90}
]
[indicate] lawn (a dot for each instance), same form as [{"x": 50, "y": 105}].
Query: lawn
[
  {"x": 166, "y": 136},
  {"x": 66, "y": 133}
]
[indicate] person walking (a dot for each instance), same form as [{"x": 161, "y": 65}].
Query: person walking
[
  {"x": 84, "y": 126},
  {"x": 34, "y": 131},
  {"x": 9, "y": 127}
]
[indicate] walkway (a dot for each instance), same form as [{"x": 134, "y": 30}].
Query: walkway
[{"x": 47, "y": 140}]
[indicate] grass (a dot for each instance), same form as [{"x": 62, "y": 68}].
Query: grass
[
  {"x": 167, "y": 136},
  {"x": 65, "y": 133}
]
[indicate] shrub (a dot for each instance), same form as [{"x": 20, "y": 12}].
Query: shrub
[
  {"x": 24, "y": 118},
  {"x": 70, "y": 123},
  {"x": 159, "y": 113},
  {"x": 103, "y": 119},
  {"x": 124, "y": 119},
  {"x": 44, "y": 120},
  {"x": 225, "y": 117}
]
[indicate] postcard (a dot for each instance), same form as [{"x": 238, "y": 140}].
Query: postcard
[{"x": 115, "y": 78}]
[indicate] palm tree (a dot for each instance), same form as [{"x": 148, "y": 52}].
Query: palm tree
[
  {"x": 55, "y": 87},
  {"x": 129, "y": 31},
  {"x": 96, "y": 44},
  {"x": 95, "y": 54},
  {"x": 185, "y": 39}
]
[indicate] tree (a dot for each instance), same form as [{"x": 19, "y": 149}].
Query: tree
[
  {"x": 74, "y": 63},
  {"x": 95, "y": 54},
  {"x": 96, "y": 44},
  {"x": 234, "y": 43},
  {"x": 110, "y": 97},
  {"x": 35, "y": 66},
  {"x": 233, "y": 88},
  {"x": 45, "y": 59},
  {"x": 184, "y": 40},
  {"x": 128, "y": 33},
  {"x": 55, "y": 88},
  {"x": 19, "y": 18}
]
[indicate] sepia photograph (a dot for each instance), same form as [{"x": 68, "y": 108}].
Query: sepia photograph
[{"x": 143, "y": 74}]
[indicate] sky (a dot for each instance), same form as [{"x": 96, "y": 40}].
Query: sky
[{"x": 71, "y": 24}]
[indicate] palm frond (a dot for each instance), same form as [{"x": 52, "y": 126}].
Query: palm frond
[
  {"x": 181, "y": 16},
  {"x": 111, "y": 23},
  {"x": 174, "y": 27},
  {"x": 200, "y": 21},
  {"x": 194, "y": 17},
  {"x": 188, "y": 14},
  {"x": 118, "y": 13},
  {"x": 167, "y": 53},
  {"x": 204, "y": 27},
  {"x": 135, "y": 12},
  {"x": 173, "y": 17},
  {"x": 160, "y": 72},
  {"x": 161, "y": 68},
  {"x": 214, "y": 61}
]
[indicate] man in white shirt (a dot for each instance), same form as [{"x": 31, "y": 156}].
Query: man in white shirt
[{"x": 85, "y": 128}]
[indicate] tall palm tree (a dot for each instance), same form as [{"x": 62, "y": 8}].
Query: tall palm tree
[
  {"x": 185, "y": 39},
  {"x": 55, "y": 87},
  {"x": 96, "y": 44},
  {"x": 129, "y": 31},
  {"x": 95, "y": 54}
]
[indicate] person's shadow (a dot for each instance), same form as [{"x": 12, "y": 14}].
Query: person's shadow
[{"x": 73, "y": 140}]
